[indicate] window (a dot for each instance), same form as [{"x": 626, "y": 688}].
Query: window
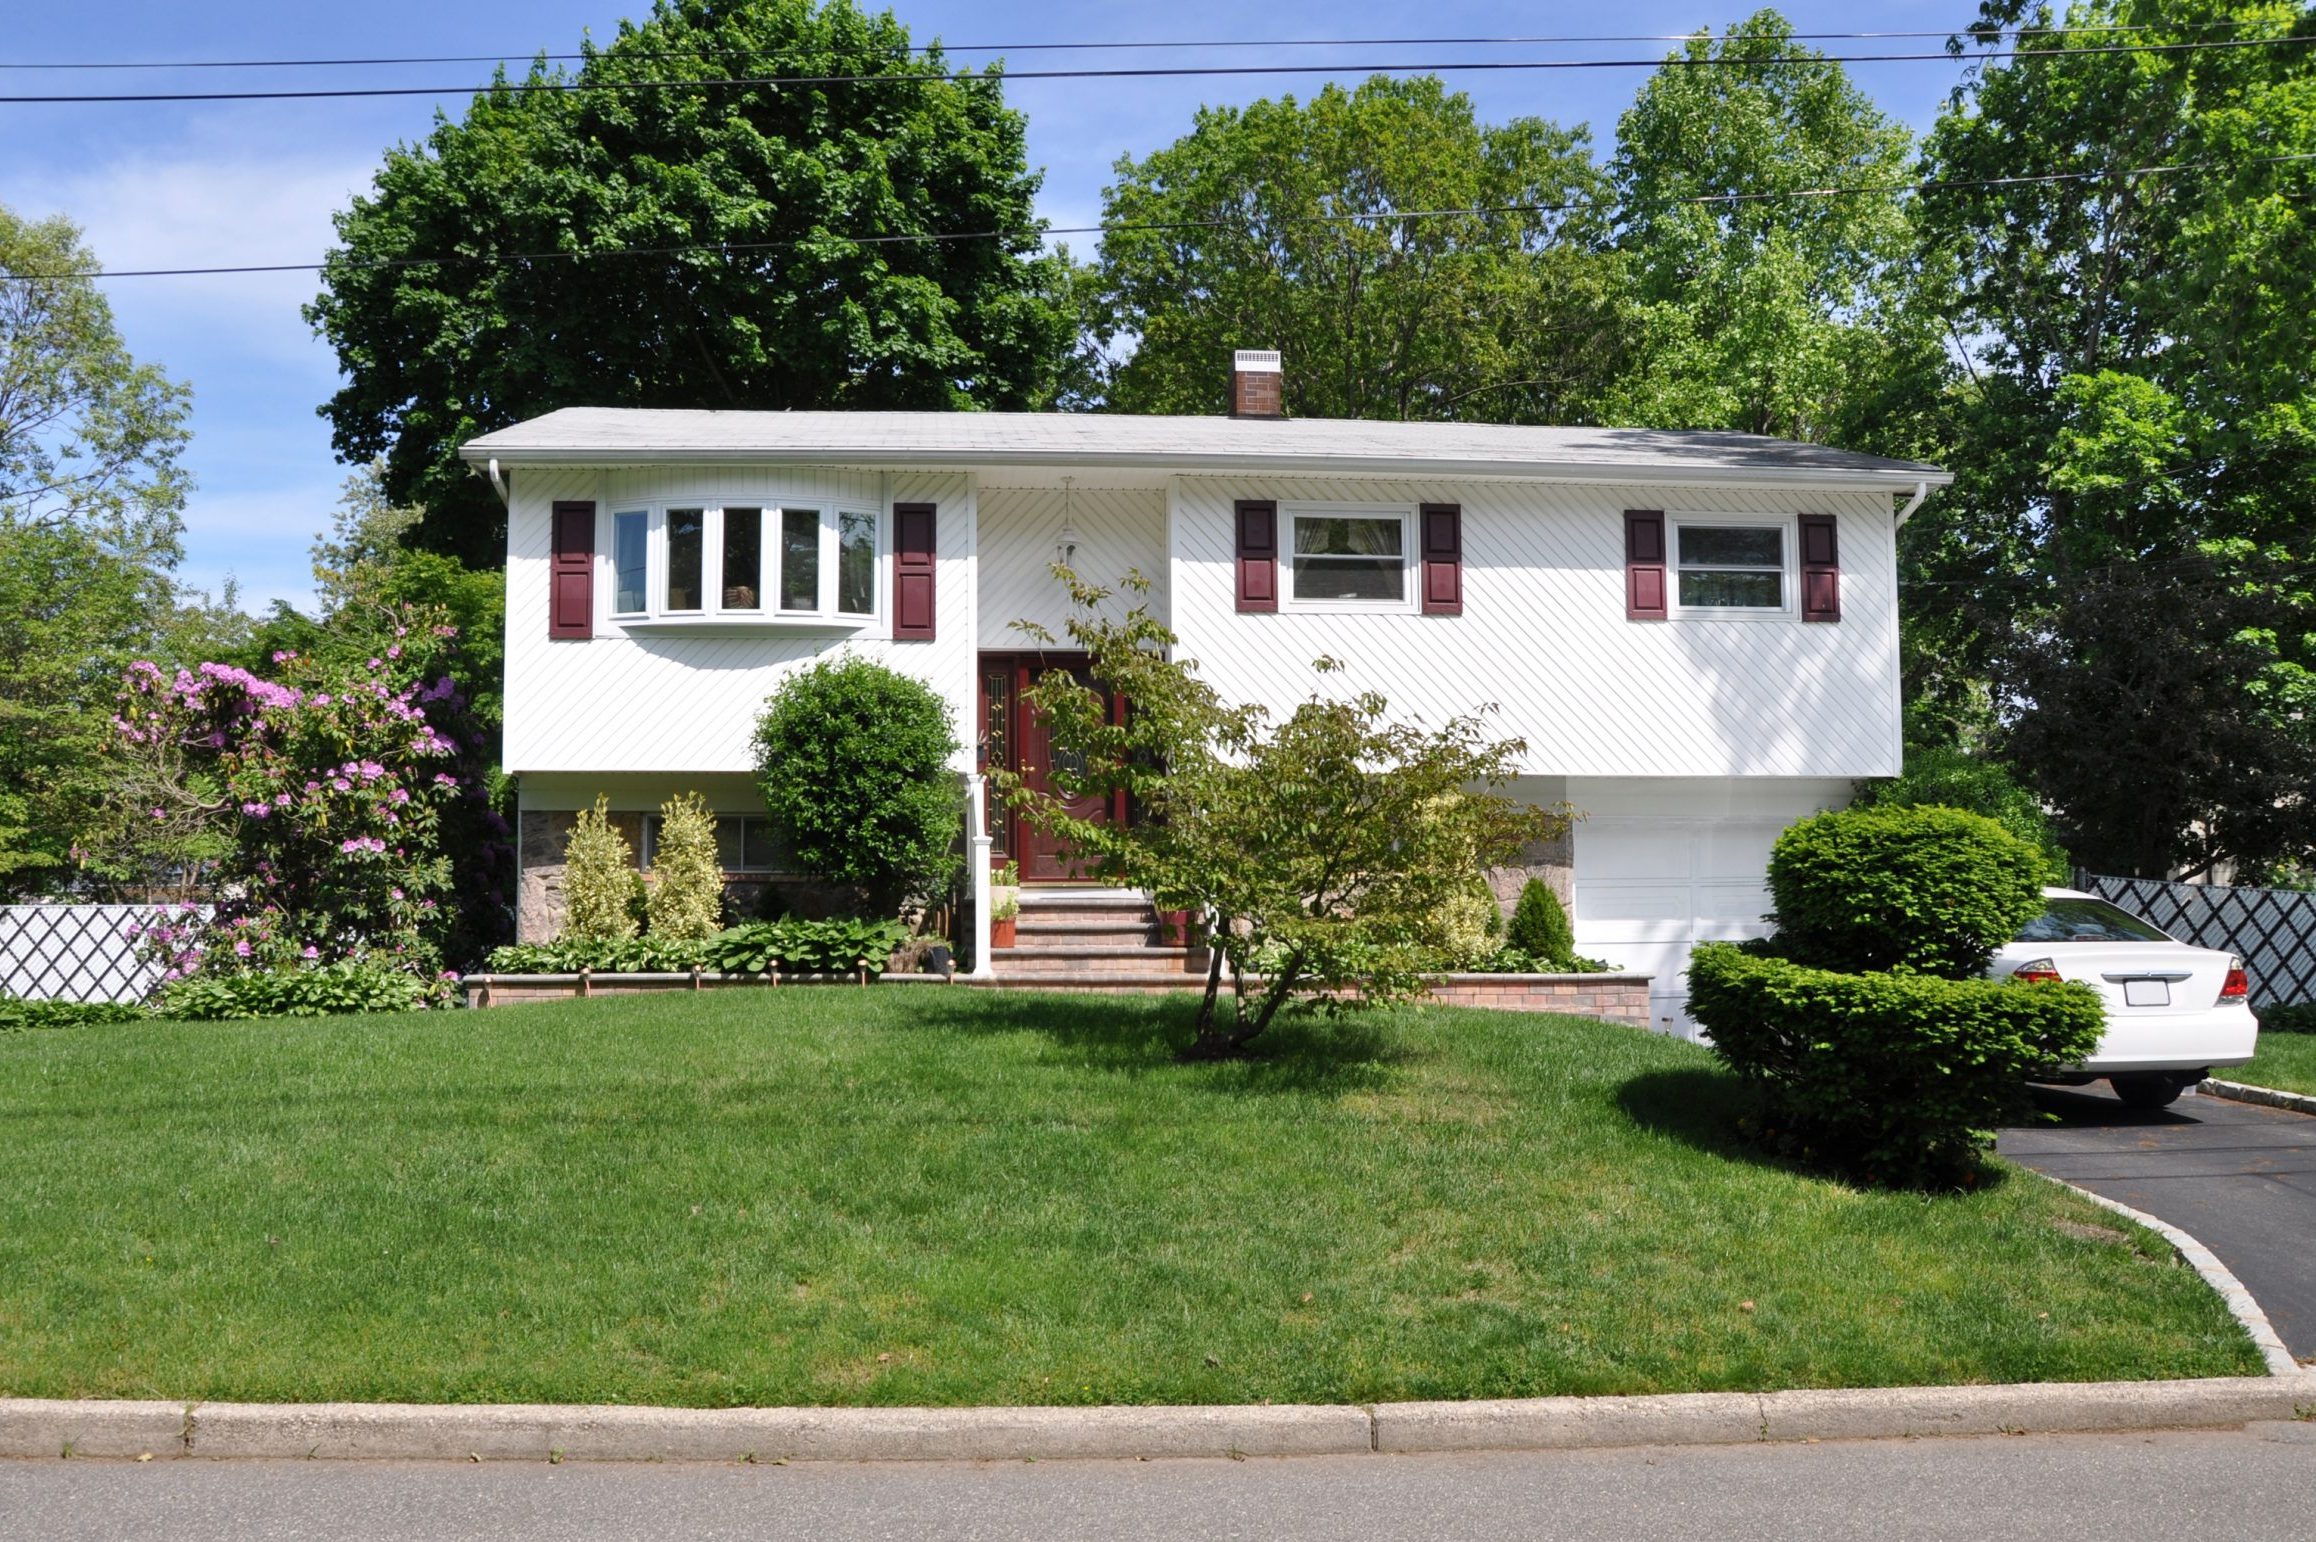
[
  {"x": 686, "y": 540},
  {"x": 856, "y": 563},
  {"x": 1354, "y": 559},
  {"x": 744, "y": 844},
  {"x": 630, "y": 538},
  {"x": 743, "y": 559},
  {"x": 1730, "y": 567},
  {"x": 2088, "y": 920},
  {"x": 800, "y": 559}
]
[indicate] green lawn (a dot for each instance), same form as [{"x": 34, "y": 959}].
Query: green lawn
[
  {"x": 2285, "y": 1060},
  {"x": 906, "y": 1196}
]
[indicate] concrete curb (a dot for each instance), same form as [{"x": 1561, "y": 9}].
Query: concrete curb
[
  {"x": 2218, "y": 1276},
  {"x": 390, "y": 1431},
  {"x": 2271, "y": 1097}
]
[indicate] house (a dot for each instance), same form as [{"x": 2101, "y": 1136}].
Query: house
[{"x": 1695, "y": 633}]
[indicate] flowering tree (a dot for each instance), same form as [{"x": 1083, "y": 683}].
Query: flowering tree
[{"x": 330, "y": 799}]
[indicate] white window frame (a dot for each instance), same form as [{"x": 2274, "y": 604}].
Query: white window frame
[
  {"x": 1408, "y": 602},
  {"x": 712, "y": 610},
  {"x": 1789, "y": 577},
  {"x": 647, "y": 849}
]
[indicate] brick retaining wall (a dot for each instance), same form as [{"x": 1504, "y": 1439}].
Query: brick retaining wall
[{"x": 1616, "y": 998}]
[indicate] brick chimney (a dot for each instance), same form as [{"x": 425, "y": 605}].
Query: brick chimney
[{"x": 1257, "y": 387}]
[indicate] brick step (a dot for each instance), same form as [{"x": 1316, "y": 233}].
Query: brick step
[
  {"x": 1063, "y": 930},
  {"x": 1096, "y": 960}
]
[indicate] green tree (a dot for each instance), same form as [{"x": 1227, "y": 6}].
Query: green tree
[
  {"x": 599, "y": 879},
  {"x": 1319, "y": 851},
  {"x": 479, "y": 283},
  {"x": 88, "y": 436},
  {"x": 2124, "y": 561},
  {"x": 1291, "y": 225},
  {"x": 1758, "y": 310},
  {"x": 687, "y": 887}
]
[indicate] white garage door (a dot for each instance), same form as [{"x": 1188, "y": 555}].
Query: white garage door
[{"x": 1648, "y": 889}]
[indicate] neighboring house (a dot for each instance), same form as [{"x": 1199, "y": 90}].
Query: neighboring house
[{"x": 1695, "y": 633}]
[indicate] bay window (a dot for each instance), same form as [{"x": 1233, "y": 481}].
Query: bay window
[{"x": 705, "y": 565}]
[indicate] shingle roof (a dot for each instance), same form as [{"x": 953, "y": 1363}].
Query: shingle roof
[{"x": 631, "y": 436}]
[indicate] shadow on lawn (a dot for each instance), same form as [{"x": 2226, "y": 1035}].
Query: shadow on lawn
[{"x": 1142, "y": 1036}]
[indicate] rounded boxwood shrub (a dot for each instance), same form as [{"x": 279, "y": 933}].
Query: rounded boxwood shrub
[
  {"x": 1920, "y": 889},
  {"x": 1953, "y": 778},
  {"x": 1890, "y": 1078},
  {"x": 853, "y": 761}
]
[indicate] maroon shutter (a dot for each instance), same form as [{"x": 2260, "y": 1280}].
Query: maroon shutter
[
  {"x": 913, "y": 571},
  {"x": 1258, "y": 556},
  {"x": 571, "y": 572},
  {"x": 1644, "y": 565},
  {"x": 1443, "y": 559},
  {"x": 1821, "y": 569}
]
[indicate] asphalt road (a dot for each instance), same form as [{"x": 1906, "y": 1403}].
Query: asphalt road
[
  {"x": 2238, "y": 1177},
  {"x": 2246, "y": 1486}
]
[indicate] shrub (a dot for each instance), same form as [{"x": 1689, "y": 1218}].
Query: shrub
[
  {"x": 2281, "y": 1017},
  {"x": 1917, "y": 889},
  {"x": 843, "y": 945},
  {"x": 687, "y": 888},
  {"x": 350, "y": 985},
  {"x": 853, "y": 761},
  {"x": 1511, "y": 960},
  {"x": 1894, "y": 1079},
  {"x": 16, "y": 1015},
  {"x": 625, "y": 955},
  {"x": 1539, "y": 926},
  {"x": 599, "y": 879},
  {"x": 1953, "y": 778}
]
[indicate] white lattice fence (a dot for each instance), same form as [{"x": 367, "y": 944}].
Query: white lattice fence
[
  {"x": 75, "y": 952},
  {"x": 2274, "y": 929}
]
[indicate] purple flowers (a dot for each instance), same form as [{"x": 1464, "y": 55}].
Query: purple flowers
[{"x": 357, "y": 845}]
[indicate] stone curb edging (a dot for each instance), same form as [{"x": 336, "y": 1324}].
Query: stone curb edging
[
  {"x": 2218, "y": 1276},
  {"x": 389, "y": 1431},
  {"x": 2271, "y": 1097}
]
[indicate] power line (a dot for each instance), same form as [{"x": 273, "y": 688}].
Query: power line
[
  {"x": 913, "y": 238},
  {"x": 563, "y": 86},
  {"x": 1555, "y": 39}
]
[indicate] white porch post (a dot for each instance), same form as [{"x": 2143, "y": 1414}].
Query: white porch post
[{"x": 977, "y": 848}]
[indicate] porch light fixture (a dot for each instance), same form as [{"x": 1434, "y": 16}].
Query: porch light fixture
[{"x": 1065, "y": 546}]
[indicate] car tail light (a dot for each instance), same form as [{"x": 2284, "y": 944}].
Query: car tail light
[
  {"x": 2035, "y": 971},
  {"x": 2235, "y": 987}
]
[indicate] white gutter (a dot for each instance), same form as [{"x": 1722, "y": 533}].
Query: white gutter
[
  {"x": 1921, "y": 491},
  {"x": 499, "y": 484}
]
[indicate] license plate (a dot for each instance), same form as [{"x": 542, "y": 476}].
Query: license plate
[{"x": 2147, "y": 993}]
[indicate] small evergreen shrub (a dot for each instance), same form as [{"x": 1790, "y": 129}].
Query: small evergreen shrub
[
  {"x": 599, "y": 879},
  {"x": 18, "y": 1015},
  {"x": 1539, "y": 925},
  {"x": 346, "y": 986},
  {"x": 2280, "y": 1017},
  {"x": 1917, "y": 889},
  {"x": 1893, "y": 1079},
  {"x": 687, "y": 887},
  {"x": 853, "y": 761}
]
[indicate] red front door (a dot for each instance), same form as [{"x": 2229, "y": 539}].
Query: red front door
[{"x": 1014, "y": 738}]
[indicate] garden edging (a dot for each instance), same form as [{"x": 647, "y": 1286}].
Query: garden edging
[
  {"x": 450, "y": 1432},
  {"x": 2266, "y": 1097}
]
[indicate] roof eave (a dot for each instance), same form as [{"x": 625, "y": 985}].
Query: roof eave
[{"x": 1899, "y": 477}]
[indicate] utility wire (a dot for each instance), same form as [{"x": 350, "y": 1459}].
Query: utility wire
[
  {"x": 1136, "y": 72},
  {"x": 1555, "y": 39},
  {"x": 910, "y": 238}
]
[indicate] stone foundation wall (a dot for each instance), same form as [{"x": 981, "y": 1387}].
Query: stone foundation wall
[{"x": 1553, "y": 861}]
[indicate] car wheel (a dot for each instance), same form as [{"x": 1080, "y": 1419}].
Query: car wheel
[{"x": 2147, "y": 1089}]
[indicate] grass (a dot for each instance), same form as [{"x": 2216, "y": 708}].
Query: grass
[
  {"x": 2285, "y": 1060},
  {"x": 948, "y": 1196}
]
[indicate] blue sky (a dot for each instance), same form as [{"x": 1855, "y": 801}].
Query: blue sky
[{"x": 214, "y": 184}]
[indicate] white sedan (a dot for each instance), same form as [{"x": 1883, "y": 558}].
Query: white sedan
[{"x": 2174, "y": 1011}]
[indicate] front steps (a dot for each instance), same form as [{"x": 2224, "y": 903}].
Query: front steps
[{"x": 1094, "y": 939}]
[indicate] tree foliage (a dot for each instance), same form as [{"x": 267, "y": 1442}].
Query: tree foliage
[
  {"x": 853, "y": 760},
  {"x": 1284, "y": 224},
  {"x": 473, "y": 286},
  {"x": 2126, "y": 553},
  {"x": 1318, "y": 852}
]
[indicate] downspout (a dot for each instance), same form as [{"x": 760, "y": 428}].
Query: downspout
[
  {"x": 499, "y": 485},
  {"x": 1921, "y": 491}
]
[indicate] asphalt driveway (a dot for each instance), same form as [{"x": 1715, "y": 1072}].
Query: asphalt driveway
[{"x": 2238, "y": 1177}]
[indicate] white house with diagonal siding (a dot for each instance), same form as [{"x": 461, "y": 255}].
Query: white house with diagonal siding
[{"x": 1696, "y": 634}]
